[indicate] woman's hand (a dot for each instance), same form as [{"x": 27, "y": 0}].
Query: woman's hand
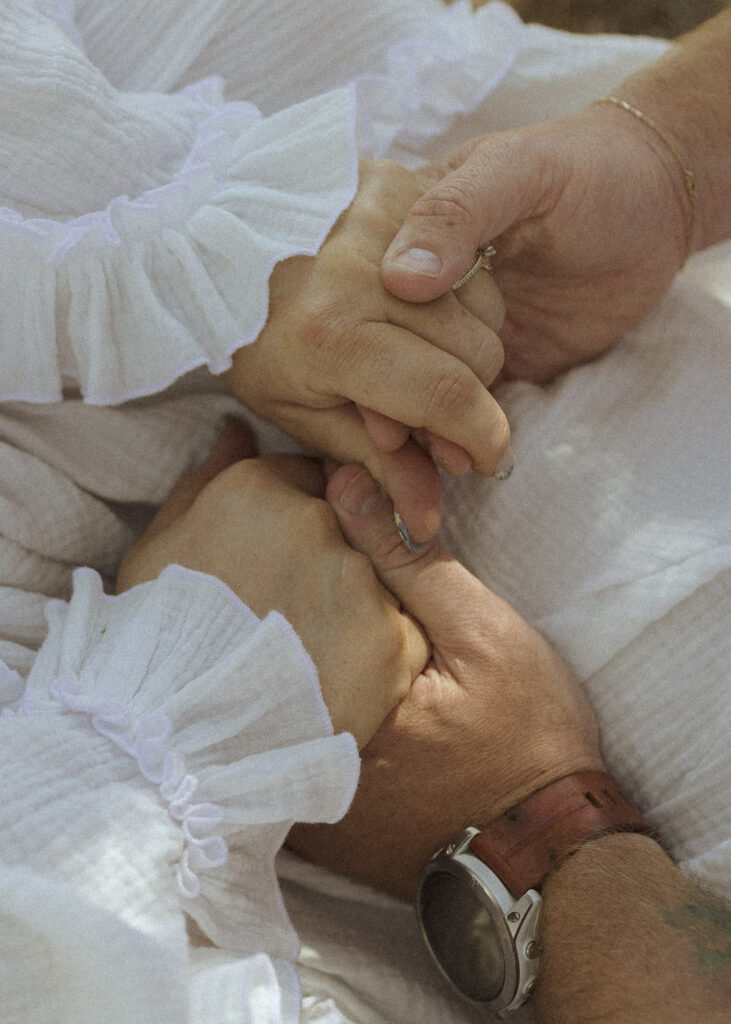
[
  {"x": 495, "y": 715},
  {"x": 348, "y": 369},
  {"x": 261, "y": 526},
  {"x": 590, "y": 220}
]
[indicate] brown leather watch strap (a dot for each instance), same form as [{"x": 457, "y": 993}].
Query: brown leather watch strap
[{"x": 527, "y": 841}]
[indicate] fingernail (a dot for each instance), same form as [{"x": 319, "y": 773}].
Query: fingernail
[
  {"x": 505, "y": 466},
  {"x": 362, "y": 495},
  {"x": 417, "y": 261},
  {"x": 416, "y": 549}
]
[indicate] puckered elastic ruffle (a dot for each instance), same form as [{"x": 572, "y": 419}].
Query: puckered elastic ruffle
[
  {"x": 128, "y": 298},
  {"x": 222, "y": 713},
  {"x": 430, "y": 79}
]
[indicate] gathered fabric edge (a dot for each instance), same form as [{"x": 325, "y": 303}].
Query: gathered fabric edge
[
  {"x": 146, "y": 739},
  {"x": 187, "y": 312},
  {"x": 65, "y": 271},
  {"x": 432, "y": 78},
  {"x": 415, "y": 70},
  {"x": 203, "y": 171},
  {"x": 201, "y": 798}
]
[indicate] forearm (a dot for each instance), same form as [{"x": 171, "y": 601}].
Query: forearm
[
  {"x": 628, "y": 938},
  {"x": 687, "y": 93}
]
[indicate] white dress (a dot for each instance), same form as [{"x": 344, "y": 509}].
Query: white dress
[{"x": 156, "y": 161}]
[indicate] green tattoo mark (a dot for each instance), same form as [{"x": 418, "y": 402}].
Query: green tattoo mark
[
  {"x": 715, "y": 914},
  {"x": 708, "y": 926}
]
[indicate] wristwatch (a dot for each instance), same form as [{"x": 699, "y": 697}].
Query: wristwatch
[{"x": 478, "y": 902}]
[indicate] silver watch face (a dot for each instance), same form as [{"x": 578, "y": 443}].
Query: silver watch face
[
  {"x": 481, "y": 937},
  {"x": 462, "y": 936}
]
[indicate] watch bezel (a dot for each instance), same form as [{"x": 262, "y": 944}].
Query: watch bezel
[{"x": 515, "y": 920}]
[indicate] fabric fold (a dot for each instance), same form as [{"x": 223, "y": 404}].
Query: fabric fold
[
  {"x": 429, "y": 79},
  {"x": 126, "y": 298},
  {"x": 221, "y": 715}
]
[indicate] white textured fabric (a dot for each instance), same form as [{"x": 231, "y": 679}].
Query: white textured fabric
[
  {"x": 145, "y": 201},
  {"x": 77, "y": 482},
  {"x": 141, "y": 217},
  {"x": 613, "y": 536},
  {"x": 152, "y": 257},
  {"x": 165, "y": 733}
]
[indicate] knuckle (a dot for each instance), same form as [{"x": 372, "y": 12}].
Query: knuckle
[
  {"x": 399, "y": 654},
  {"x": 329, "y": 340},
  {"x": 382, "y": 169},
  {"x": 321, "y": 323},
  {"x": 389, "y": 645},
  {"x": 489, "y": 357},
  {"x": 390, "y": 182},
  {"x": 315, "y": 522},
  {"x": 452, "y": 394},
  {"x": 453, "y": 203},
  {"x": 238, "y": 481},
  {"x": 400, "y": 636}
]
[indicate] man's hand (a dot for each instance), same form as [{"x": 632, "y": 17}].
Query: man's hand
[
  {"x": 261, "y": 526},
  {"x": 349, "y": 370},
  {"x": 590, "y": 221},
  {"x": 495, "y": 715}
]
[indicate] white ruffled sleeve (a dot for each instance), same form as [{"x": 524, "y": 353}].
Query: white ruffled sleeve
[
  {"x": 165, "y": 741},
  {"x": 138, "y": 231}
]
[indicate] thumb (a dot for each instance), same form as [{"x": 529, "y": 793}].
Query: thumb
[
  {"x": 498, "y": 184},
  {"x": 430, "y": 584}
]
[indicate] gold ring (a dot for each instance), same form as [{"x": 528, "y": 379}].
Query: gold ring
[{"x": 480, "y": 261}]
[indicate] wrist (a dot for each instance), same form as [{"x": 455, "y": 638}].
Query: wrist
[
  {"x": 625, "y": 937},
  {"x": 598, "y": 856},
  {"x": 686, "y": 95},
  {"x": 671, "y": 148},
  {"x": 661, "y": 165},
  {"x": 479, "y": 898},
  {"x": 510, "y": 781}
]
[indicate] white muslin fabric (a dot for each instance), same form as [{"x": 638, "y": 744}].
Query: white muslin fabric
[
  {"x": 156, "y": 162},
  {"x": 165, "y": 734},
  {"x": 124, "y": 271}
]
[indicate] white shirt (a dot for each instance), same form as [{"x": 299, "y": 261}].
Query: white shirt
[{"x": 143, "y": 204}]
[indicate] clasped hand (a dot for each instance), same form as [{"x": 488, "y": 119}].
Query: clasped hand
[
  {"x": 495, "y": 715},
  {"x": 454, "y": 729},
  {"x": 261, "y": 526},
  {"x": 350, "y": 370}
]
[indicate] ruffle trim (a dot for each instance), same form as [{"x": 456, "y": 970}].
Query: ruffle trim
[
  {"x": 127, "y": 299},
  {"x": 430, "y": 79},
  {"x": 222, "y": 712},
  {"x": 203, "y": 174},
  {"x": 434, "y": 77},
  {"x": 146, "y": 739}
]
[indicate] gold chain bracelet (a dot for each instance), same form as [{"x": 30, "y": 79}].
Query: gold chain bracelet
[{"x": 688, "y": 179}]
